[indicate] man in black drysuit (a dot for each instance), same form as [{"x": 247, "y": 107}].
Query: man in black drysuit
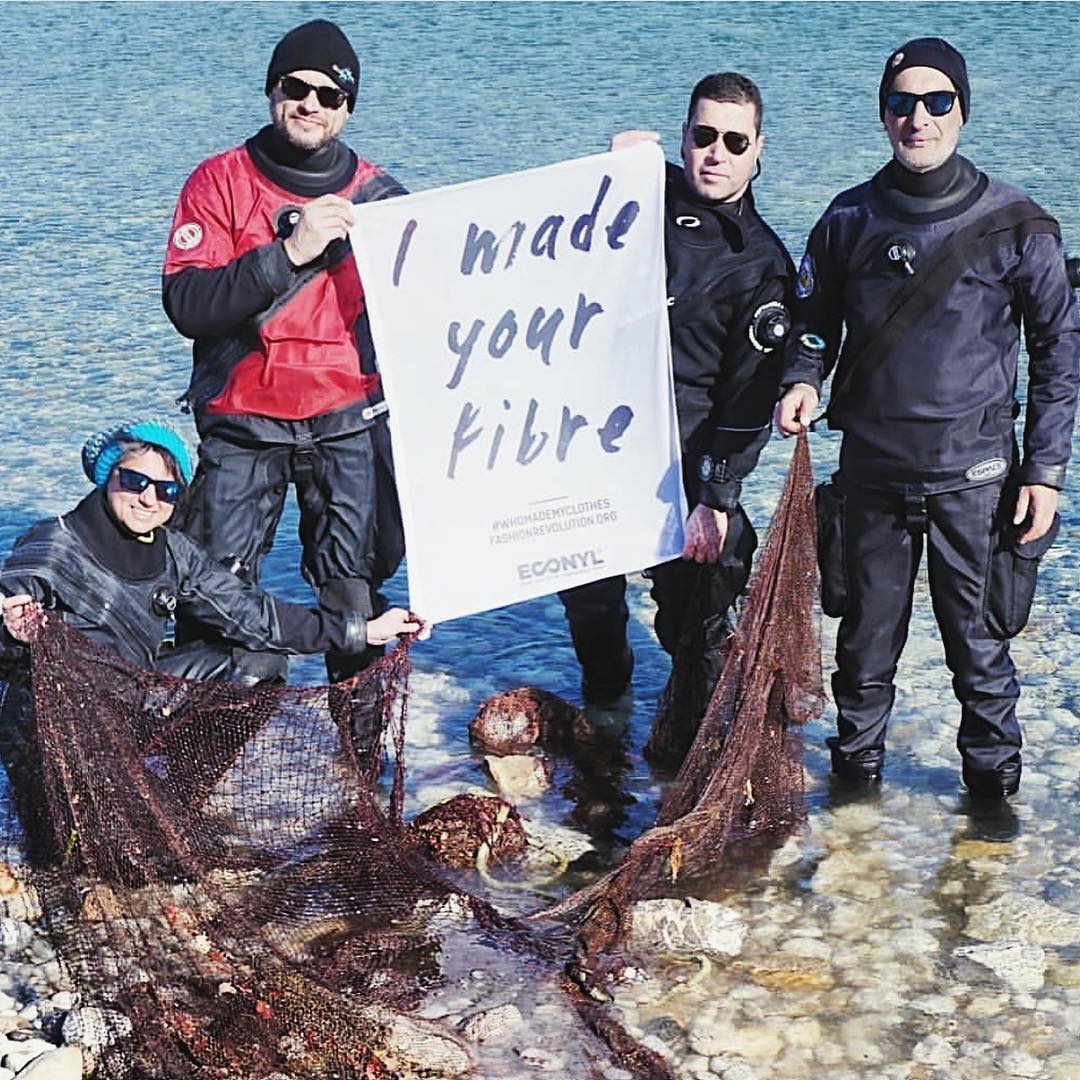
[
  {"x": 932, "y": 267},
  {"x": 728, "y": 279}
]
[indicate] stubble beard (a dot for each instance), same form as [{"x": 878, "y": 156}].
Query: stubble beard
[{"x": 309, "y": 139}]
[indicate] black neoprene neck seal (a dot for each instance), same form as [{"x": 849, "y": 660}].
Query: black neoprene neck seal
[
  {"x": 924, "y": 185},
  {"x": 304, "y": 172},
  {"x": 113, "y": 546},
  {"x": 945, "y": 188}
]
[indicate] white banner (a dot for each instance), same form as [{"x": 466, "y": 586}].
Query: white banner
[{"x": 521, "y": 328}]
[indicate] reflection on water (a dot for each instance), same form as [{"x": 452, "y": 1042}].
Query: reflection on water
[{"x": 899, "y": 936}]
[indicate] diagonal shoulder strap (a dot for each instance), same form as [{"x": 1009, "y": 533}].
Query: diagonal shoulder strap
[{"x": 920, "y": 293}]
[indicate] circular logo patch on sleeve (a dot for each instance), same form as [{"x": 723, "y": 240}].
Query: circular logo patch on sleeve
[
  {"x": 187, "y": 236},
  {"x": 804, "y": 283}
]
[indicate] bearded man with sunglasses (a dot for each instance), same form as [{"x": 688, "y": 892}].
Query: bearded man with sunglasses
[
  {"x": 284, "y": 386},
  {"x": 932, "y": 266},
  {"x": 728, "y": 280}
]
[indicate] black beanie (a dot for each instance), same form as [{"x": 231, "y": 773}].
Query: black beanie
[
  {"x": 318, "y": 45},
  {"x": 928, "y": 52}
]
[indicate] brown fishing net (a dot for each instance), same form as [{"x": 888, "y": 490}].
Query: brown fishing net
[
  {"x": 741, "y": 782},
  {"x": 236, "y": 897},
  {"x": 219, "y": 877}
]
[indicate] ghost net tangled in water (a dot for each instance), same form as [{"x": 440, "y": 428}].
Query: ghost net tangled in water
[
  {"x": 231, "y": 891},
  {"x": 236, "y": 898},
  {"x": 741, "y": 783}
]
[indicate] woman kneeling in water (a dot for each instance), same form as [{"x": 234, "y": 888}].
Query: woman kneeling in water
[{"x": 112, "y": 569}]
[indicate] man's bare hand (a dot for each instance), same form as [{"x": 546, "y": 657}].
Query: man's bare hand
[
  {"x": 623, "y": 139},
  {"x": 23, "y": 616},
  {"x": 394, "y": 622},
  {"x": 705, "y": 532},
  {"x": 796, "y": 409},
  {"x": 1040, "y": 503},
  {"x": 321, "y": 220}
]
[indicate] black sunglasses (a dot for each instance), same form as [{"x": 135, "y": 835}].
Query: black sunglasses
[
  {"x": 330, "y": 97},
  {"x": 736, "y": 142},
  {"x": 937, "y": 102},
  {"x": 167, "y": 491}
]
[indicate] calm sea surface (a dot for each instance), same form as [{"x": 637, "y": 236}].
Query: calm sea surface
[{"x": 106, "y": 108}]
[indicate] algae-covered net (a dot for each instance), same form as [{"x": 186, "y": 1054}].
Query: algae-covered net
[
  {"x": 235, "y": 896},
  {"x": 217, "y": 875}
]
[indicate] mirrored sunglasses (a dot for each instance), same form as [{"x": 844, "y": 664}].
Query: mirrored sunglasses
[
  {"x": 703, "y": 135},
  {"x": 937, "y": 102},
  {"x": 135, "y": 483},
  {"x": 329, "y": 97}
]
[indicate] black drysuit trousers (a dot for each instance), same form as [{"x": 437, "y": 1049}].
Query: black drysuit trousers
[
  {"x": 350, "y": 522},
  {"x": 692, "y": 611},
  {"x": 884, "y": 535}
]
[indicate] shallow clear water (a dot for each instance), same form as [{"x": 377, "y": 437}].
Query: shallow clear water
[{"x": 107, "y": 108}]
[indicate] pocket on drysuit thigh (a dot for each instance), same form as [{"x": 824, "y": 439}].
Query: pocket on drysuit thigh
[
  {"x": 1011, "y": 578},
  {"x": 829, "y": 510}
]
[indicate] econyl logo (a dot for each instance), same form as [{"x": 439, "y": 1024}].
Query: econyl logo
[{"x": 560, "y": 564}]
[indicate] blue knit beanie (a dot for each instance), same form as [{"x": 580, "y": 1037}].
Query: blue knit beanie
[{"x": 102, "y": 451}]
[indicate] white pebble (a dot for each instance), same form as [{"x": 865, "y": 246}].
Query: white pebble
[
  {"x": 491, "y": 1024},
  {"x": 935, "y": 1005},
  {"x": 934, "y": 1051},
  {"x": 732, "y": 1068},
  {"x": 541, "y": 1059},
  {"x": 19, "y": 1055},
  {"x": 14, "y": 935},
  {"x": 64, "y": 1063},
  {"x": 1020, "y": 1063}
]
